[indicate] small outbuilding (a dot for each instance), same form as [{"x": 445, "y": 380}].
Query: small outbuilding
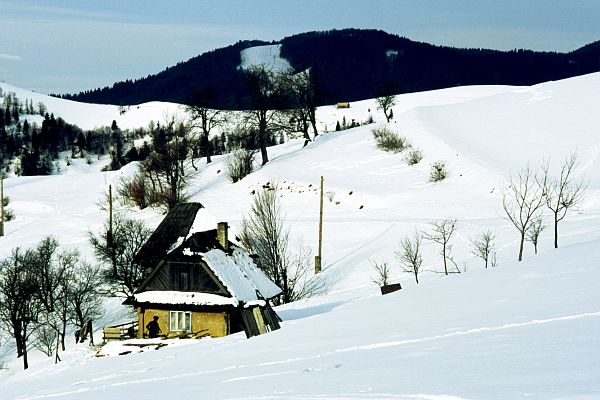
[{"x": 198, "y": 282}]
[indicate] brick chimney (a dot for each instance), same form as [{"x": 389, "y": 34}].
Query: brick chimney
[{"x": 222, "y": 236}]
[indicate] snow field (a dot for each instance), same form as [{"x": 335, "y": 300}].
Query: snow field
[{"x": 521, "y": 330}]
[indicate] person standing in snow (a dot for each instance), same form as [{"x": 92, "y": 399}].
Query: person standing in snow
[{"x": 153, "y": 328}]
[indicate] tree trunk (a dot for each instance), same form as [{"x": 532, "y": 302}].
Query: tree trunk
[
  {"x": 25, "y": 361},
  {"x": 263, "y": 153},
  {"x": 555, "y": 231},
  {"x": 24, "y": 348},
  {"x": 208, "y": 159},
  {"x": 262, "y": 138},
  {"x": 18, "y": 340},
  {"x": 521, "y": 246},
  {"x": 306, "y": 138},
  {"x": 313, "y": 122},
  {"x": 305, "y": 128},
  {"x": 444, "y": 254},
  {"x": 63, "y": 334}
]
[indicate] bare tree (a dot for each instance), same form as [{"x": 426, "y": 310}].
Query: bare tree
[
  {"x": 409, "y": 255},
  {"x": 33, "y": 294},
  {"x": 45, "y": 339},
  {"x": 166, "y": 168},
  {"x": 442, "y": 232},
  {"x": 533, "y": 234},
  {"x": 300, "y": 277},
  {"x": 563, "y": 193},
  {"x": 117, "y": 254},
  {"x": 522, "y": 197},
  {"x": 265, "y": 114},
  {"x": 383, "y": 273},
  {"x": 46, "y": 272},
  {"x": 385, "y": 103},
  {"x": 53, "y": 279},
  {"x": 265, "y": 234},
  {"x": 301, "y": 88},
  {"x": 206, "y": 119},
  {"x": 484, "y": 248},
  {"x": 20, "y": 307},
  {"x": 67, "y": 262},
  {"x": 85, "y": 294}
]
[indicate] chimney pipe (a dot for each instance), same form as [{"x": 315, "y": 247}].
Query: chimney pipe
[{"x": 222, "y": 236}]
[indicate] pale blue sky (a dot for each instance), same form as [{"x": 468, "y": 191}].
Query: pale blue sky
[{"x": 71, "y": 45}]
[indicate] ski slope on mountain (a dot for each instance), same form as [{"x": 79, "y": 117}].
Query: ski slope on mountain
[
  {"x": 520, "y": 330},
  {"x": 268, "y": 56}
]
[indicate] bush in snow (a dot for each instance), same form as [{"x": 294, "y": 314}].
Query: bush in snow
[
  {"x": 388, "y": 140},
  {"x": 438, "y": 171},
  {"x": 137, "y": 191},
  {"x": 414, "y": 157},
  {"x": 239, "y": 164},
  {"x": 9, "y": 215}
]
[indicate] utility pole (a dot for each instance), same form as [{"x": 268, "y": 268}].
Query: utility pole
[
  {"x": 318, "y": 257},
  {"x": 110, "y": 209},
  {"x": 1, "y": 206},
  {"x": 109, "y": 234}
]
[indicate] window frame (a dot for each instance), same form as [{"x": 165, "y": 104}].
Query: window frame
[{"x": 175, "y": 319}]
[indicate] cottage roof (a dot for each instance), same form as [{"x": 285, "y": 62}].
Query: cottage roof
[
  {"x": 240, "y": 275},
  {"x": 179, "y": 223},
  {"x": 182, "y": 236}
]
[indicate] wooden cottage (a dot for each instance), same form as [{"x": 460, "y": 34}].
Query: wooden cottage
[{"x": 198, "y": 282}]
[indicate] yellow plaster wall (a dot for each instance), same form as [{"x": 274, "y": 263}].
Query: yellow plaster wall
[
  {"x": 147, "y": 316},
  {"x": 217, "y": 323}
]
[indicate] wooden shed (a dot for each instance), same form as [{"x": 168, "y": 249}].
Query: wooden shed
[{"x": 198, "y": 282}]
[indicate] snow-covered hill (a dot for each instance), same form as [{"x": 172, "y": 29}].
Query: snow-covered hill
[
  {"x": 90, "y": 116},
  {"x": 520, "y": 330}
]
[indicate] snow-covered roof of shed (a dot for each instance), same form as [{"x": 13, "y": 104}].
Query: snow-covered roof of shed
[
  {"x": 240, "y": 275},
  {"x": 176, "y": 298}
]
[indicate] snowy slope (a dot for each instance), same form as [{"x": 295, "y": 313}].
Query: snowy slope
[
  {"x": 90, "y": 116},
  {"x": 521, "y": 330},
  {"x": 268, "y": 56}
]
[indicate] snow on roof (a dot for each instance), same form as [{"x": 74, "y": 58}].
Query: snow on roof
[
  {"x": 203, "y": 221},
  {"x": 240, "y": 275},
  {"x": 176, "y": 297}
]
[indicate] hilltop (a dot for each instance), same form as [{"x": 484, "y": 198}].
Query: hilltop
[{"x": 350, "y": 65}]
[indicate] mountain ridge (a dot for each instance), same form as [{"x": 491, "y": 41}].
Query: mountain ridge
[{"x": 351, "y": 65}]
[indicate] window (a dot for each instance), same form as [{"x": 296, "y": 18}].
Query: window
[
  {"x": 181, "y": 276},
  {"x": 180, "y": 321},
  {"x": 184, "y": 281}
]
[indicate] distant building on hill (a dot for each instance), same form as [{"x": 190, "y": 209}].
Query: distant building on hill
[{"x": 198, "y": 282}]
